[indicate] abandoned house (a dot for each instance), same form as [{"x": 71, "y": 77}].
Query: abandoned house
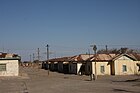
[{"x": 9, "y": 64}]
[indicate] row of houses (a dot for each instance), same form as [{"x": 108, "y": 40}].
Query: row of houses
[
  {"x": 83, "y": 64},
  {"x": 104, "y": 64},
  {"x": 9, "y": 64}
]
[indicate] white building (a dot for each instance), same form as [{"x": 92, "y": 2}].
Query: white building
[
  {"x": 9, "y": 64},
  {"x": 114, "y": 64}
]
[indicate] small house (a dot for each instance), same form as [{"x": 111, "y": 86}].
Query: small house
[
  {"x": 9, "y": 64},
  {"x": 113, "y": 64},
  {"x": 77, "y": 64},
  {"x": 59, "y": 64}
]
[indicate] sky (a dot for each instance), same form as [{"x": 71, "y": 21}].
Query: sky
[{"x": 68, "y": 26}]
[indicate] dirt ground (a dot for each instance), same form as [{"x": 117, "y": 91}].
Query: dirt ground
[{"x": 32, "y": 80}]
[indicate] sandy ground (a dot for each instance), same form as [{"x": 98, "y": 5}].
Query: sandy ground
[{"x": 32, "y": 80}]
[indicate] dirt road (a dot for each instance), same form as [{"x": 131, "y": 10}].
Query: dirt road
[{"x": 33, "y": 80}]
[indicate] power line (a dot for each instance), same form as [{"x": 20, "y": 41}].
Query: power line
[{"x": 66, "y": 47}]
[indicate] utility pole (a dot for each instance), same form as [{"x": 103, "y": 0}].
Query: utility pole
[
  {"x": 30, "y": 58},
  {"x": 48, "y": 57},
  {"x": 38, "y": 54},
  {"x": 106, "y": 49},
  {"x": 33, "y": 57},
  {"x": 95, "y": 49}
]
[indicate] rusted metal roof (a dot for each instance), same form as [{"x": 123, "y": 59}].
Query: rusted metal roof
[
  {"x": 102, "y": 57},
  {"x": 131, "y": 56},
  {"x": 84, "y": 57},
  {"x": 9, "y": 56},
  {"x": 77, "y": 58},
  {"x": 3, "y": 55},
  {"x": 137, "y": 56},
  {"x": 98, "y": 57},
  {"x": 63, "y": 59}
]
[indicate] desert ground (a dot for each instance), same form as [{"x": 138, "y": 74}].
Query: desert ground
[{"x": 33, "y": 80}]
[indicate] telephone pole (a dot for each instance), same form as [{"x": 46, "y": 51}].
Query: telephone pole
[
  {"x": 95, "y": 53},
  {"x": 38, "y": 54},
  {"x": 33, "y": 57},
  {"x": 106, "y": 48},
  {"x": 95, "y": 49},
  {"x": 47, "y": 50},
  {"x": 30, "y": 58}
]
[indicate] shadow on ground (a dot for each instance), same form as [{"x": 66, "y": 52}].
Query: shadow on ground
[
  {"x": 130, "y": 80},
  {"x": 122, "y": 90}
]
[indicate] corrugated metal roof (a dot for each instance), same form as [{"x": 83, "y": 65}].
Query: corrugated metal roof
[
  {"x": 99, "y": 57},
  {"x": 84, "y": 57},
  {"x": 102, "y": 57},
  {"x": 9, "y": 56},
  {"x": 128, "y": 55},
  {"x": 63, "y": 59},
  {"x": 137, "y": 56}
]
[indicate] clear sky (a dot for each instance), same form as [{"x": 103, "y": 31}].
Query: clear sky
[{"x": 68, "y": 26}]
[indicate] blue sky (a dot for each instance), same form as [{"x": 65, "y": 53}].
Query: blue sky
[{"x": 68, "y": 26}]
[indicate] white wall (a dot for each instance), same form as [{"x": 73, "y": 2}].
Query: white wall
[
  {"x": 78, "y": 68},
  {"x": 107, "y": 70},
  {"x": 91, "y": 66},
  {"x": 12, "y": 68},
  {"x": 132, "y": 68}
]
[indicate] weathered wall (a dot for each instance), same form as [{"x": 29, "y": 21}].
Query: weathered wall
[
  {"x": 12, "y": 68},
  {"x": 106, "y": 68},
  {"x": 98, "y": 68},
  {"x": 131, "y": 66}
]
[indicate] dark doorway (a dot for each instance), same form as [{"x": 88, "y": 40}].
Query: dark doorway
[
  {"x": 112, "y": 68},
  {"x": 55, "y": 67},
  {"x": 82, "y": 69},
  {"x": 65, "y": 68}
]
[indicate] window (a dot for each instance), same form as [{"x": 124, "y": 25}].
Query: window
[
  {"x": 102, "y": 69},
  {"x": 124, "y": 68},
  {"x": 2, "y": 67}
]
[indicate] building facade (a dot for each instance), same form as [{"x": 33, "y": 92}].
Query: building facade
[
  {"x": 100, "y": 64},
  {"x": 110, "y": 64},
  {"x": 9, "y": 65}
]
